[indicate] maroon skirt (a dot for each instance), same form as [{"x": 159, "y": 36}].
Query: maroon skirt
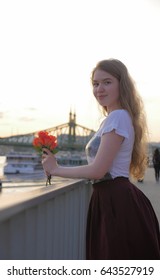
[{"x": 121, "y": 223}]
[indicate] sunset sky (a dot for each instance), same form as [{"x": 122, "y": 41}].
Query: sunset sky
[{"x": 48, "y": 49}]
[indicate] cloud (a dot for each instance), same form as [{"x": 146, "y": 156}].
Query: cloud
[
  {"x": 1, "y": 115},
  {"x": 30, "y": 109},
  {"x": 26, "y": 119}
]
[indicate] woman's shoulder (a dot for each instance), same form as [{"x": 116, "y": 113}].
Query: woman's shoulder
[
  {"x": 119, "y": 120},
  {"x": 118, "y": 115},
  {"x": 116, "y": 118},
  {"x": 119, "y": 112}
]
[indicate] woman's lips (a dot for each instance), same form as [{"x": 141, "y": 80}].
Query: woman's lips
[{"x": 101, "y": 97}]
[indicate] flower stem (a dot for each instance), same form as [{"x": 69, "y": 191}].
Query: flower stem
[{"x": 48, "y": 180}]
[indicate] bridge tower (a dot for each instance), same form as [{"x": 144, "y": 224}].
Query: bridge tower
[{"x": 72, "y": 128}]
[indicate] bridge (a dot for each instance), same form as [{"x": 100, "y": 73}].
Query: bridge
[{"x": 70, "y": 136}]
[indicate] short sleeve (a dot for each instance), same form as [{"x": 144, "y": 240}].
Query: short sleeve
[{"x": 118, "y": 120}]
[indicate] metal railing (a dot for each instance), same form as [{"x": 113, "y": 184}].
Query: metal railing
[{"x": 47, "y": 223}]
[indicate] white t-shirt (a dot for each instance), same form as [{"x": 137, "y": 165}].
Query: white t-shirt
[{"x": 120, "y": 121}]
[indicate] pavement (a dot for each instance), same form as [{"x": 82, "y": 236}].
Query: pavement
[{"x": 151, "y": 189}]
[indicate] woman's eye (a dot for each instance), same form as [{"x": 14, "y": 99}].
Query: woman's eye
[
  {"x": 95, "y": 84},
  {"x": 107, "y": 82}
]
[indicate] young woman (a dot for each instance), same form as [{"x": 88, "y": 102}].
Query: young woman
[{"x": 121, "y": 221}]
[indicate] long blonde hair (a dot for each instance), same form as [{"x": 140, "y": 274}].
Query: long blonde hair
[{"x": 132, "y": 102}]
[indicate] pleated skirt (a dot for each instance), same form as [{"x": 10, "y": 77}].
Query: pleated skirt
[{"x": 121, "y": 223}]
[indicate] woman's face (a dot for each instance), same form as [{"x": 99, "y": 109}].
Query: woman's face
[{"x": 106, "y": 90}]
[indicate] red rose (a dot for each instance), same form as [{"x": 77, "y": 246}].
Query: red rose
[{"x": 45, "y": 140}]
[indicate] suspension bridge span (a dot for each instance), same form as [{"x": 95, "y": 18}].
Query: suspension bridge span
[{"x": 70, "y": 136}]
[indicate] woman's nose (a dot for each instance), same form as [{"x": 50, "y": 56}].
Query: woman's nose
[{"x": 100, "y": 88}]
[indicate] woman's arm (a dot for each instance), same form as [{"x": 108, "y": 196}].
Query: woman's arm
[{"x": 108, "y": 149}]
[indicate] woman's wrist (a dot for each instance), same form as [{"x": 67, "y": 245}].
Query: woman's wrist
[{"x": 54, "y": 171}]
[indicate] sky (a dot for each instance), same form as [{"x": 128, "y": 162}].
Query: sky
[{"x": 49, "y": 48}]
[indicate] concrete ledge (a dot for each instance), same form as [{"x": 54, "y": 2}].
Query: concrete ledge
[
  {"x": 45, "y": 223},
  {"x": 12, "y": 204}
]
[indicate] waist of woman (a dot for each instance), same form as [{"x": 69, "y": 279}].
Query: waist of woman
[{"x": 107, "y": 177}]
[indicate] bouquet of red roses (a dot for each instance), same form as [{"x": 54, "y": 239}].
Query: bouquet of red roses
[{"x": 44, "y": 140}]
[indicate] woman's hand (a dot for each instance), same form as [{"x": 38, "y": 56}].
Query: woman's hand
[{"x": 49, "y": 162}]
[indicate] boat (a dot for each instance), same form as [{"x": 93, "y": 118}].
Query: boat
[
  {"x": 28, "y": 163},
  {"x": 71, "y": 158},
  {"x": 22, "y": 163}
]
